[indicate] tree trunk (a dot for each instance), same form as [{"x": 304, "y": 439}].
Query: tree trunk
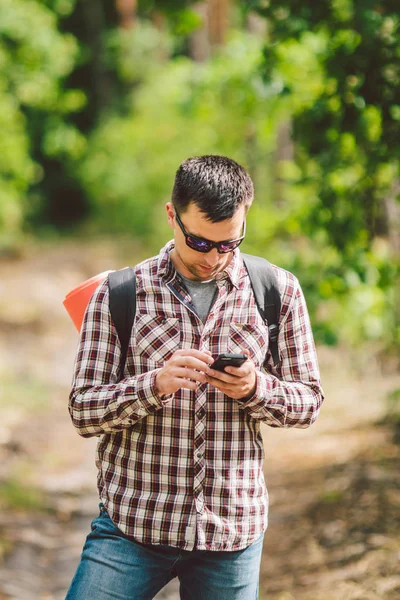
[
  {"x": 199, "y": 45},
  {"x": 126, "y": 10},
  {"x": 215, "y": 18},
  {"x": 94, "y": 26},
  {"x": 218, "y": 21}
]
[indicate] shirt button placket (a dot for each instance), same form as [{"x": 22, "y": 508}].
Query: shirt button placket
[{"x": 199, "y": 451}]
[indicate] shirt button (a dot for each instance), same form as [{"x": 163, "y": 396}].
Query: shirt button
[{"x": 199, "y": 455}]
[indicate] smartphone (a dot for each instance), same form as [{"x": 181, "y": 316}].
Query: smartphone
[{"x": 228, "y": 360}]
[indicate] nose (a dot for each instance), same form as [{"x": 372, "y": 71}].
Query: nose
[{"x": 212, "y": 257}]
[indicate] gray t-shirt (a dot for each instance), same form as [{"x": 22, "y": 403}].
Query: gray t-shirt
[{"x": 203, "y": 294}]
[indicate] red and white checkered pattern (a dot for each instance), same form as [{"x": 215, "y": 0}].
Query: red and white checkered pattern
[{"x": 187, "y": 470}]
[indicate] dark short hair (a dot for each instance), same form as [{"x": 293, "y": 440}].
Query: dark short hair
[{"x": 217, "y": 185}]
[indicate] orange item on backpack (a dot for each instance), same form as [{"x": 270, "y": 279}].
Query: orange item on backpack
[{"x": 77, "y": 299}]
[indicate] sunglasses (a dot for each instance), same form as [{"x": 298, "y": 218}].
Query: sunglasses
[{"x": 202, "y": 245}]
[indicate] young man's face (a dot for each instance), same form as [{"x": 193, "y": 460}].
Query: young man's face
[{"x": 196, "y": 265}]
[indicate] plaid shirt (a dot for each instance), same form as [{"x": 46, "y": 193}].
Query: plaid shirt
[{"x": 186, "y": 470}]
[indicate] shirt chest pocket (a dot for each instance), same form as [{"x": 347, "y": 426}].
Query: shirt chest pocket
[
  {"x": 250, "y": 337},
  {"x": 156, "y": 338}
]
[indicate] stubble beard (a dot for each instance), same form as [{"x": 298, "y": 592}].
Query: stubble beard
[{"x": 193, "y": 270}]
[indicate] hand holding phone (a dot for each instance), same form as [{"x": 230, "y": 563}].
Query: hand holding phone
[{"x": 228, "y": 359}]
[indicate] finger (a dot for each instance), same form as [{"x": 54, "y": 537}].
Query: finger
[
  {"x": 241, "y": 371},
  {"x": 245, "y": 369},
  {"x": 234, "y": 392},
  {"x": 189, "y": 363},
  {"x": 221, "y": 382},
  {"x": 191, "y": 374},
  {"x": 221, "y": 375},
  {"x": 190, "y": 355},
  {"x": 193, "y": 352},
  {"x": 228, "y": 390},
  {"x": 179, "y": 382}
]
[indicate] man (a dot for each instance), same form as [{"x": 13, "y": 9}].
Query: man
[{"x": 180, "y": 456}]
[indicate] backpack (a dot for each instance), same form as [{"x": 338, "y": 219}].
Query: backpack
[{"x": 122, "y": 301}]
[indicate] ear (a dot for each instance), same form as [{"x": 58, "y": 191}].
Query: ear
[{"x": 170, "y": 214}]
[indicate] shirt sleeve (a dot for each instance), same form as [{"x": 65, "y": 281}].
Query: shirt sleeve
[
  {"x": 99, "y": 402},
  {"x": 290, "y": 395}
]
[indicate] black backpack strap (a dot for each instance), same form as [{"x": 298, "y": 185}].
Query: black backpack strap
[
  {"x": 122, "y": 301},
  {"x": 266, "y": 292}
]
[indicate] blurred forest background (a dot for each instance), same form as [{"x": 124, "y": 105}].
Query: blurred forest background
[{"x": 100, "y": 101}]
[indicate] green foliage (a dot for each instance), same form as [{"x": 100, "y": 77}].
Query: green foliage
[
  {"x": 181, "y": 18},
  {"x": 348, "y": 133},
  {"x": 335, "y": 65},
  {"x": 34, "y": 60},
  {"x": 134, "y": 54},
  {"x": 105, "y": 115},
  {"x": 181, "y": 109}
]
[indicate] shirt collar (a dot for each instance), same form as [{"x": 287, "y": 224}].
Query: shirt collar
[{"x": 166, "y": 269}]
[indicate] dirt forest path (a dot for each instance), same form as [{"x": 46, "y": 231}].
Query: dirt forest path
[{"x": 334, "y": 489}]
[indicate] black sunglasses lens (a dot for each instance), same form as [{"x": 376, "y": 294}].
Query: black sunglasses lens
[
  {"x": 228, "y": 247},
  {"x": 198, "y": 244}
]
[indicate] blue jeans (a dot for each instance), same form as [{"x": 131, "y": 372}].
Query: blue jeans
[{"x": 114, "y": 566}]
